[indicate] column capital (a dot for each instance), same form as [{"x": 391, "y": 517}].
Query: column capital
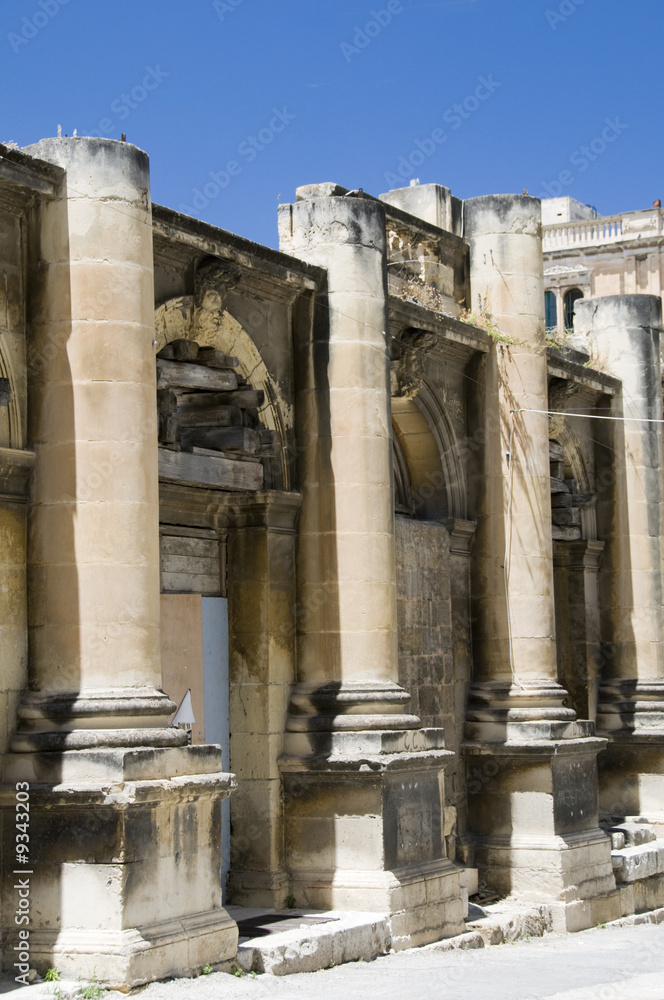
[
  {"x": 462, "y": 535},
  {"x": 583, "y": 553}
]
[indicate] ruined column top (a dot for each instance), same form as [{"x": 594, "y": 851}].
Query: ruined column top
[
  {"x": 331, "y": 220},
  {"x": 613, "y": 311},
  {"x": 502, "y": 213},
  {"x": 97, "y": 163}
]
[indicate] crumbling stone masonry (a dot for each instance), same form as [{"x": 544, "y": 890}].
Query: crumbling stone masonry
[{"x": 404, "y": 559}]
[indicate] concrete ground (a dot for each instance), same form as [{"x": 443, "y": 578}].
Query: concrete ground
[{"x": 614, "y": 963}]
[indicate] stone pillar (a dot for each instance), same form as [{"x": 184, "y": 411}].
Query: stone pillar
[
  {"x": 462, "y": 538},
  {"x": 94, "y": 531},
  {"x": 362, "y": 782},
  {"x": 261, "y": 596},
  {"x": 516, "y": 678},
  {"x": 124, "y": 842},
  {"x": 347, "y": 618},
  {"x": 532, "y": 802},
  {"x": 576, "y": 565},
  {"x": 626, "y": 332}
]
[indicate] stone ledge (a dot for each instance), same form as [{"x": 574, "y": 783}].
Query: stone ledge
[
  {"x": 634, "y": 863},
  {"x": 349, "y": 937}
]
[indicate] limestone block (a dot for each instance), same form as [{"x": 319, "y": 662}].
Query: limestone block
[
  {"x": 641, "y": 862},
  {"x": 347, "y": 938}
]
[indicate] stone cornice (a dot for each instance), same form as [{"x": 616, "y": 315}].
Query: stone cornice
[
  {"x": 451, "y": 336},
  {"x": 196, "y": 507},
  {"x": 24, "y": 178},
  {"x": 182, "y": 240},
  {"x": 573, "y": 371}
]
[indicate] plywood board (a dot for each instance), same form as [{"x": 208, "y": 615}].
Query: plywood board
[{"x": 182, "y": 654}]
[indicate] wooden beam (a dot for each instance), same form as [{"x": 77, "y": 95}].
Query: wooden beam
[
  {"x": 179, "y": 350},
  {"x": 213, "y": 358},
  {"x": 210, "y": 416},
  {"x": 208, "y": 470},
  {"x": 222, "y": 438},
  {"x": 179, "y": 374}
]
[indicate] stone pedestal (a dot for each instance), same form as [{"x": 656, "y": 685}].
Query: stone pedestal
[
  {"x": 626, "y": 330},
  {"x": 362, "y": 781},
  {"x": 533, "y": 807},
  {"x": 364, "y": 829},
  {"x": 124, "y": 869}
]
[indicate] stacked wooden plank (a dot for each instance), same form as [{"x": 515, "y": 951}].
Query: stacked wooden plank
[
  {"x": 209, "y": 428},
  {"x": 566, "y": 501}
]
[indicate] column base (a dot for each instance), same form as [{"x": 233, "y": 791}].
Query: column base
[
  {"x": 333, "y": 707},
  {"x": 533, "y": 814},
  {"x": 90, "y": 719},
  {"x": 631, "y": 777},
  {"x": 497, "y": 708},
  {"x": 124, "y": 862},
  {"x": 364, "y": 829}
]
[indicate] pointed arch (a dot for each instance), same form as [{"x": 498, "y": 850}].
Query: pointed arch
[
  {"x": 575, "y": 465},
  {"x": 427, "y": 444}
]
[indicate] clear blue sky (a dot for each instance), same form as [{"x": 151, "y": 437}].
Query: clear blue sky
[{"x": 288, "y": 92}]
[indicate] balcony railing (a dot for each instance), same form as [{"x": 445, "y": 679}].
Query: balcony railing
[{"x": 605, "y": 229}]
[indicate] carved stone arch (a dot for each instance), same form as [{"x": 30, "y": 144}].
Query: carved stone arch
[
  {"x": 426, "y": 441},
  {"x": 448, "y": 450},
  {"x": 403, "y": 496},
  {"x": 576, "y": 469},
  {"x": 11, "y": 431},
  {"x": 205, "y": 320}
]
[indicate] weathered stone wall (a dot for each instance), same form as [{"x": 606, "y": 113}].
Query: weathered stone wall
[
  {"x": 426, "y": 661},
  {"x": 424, "y": 610}
]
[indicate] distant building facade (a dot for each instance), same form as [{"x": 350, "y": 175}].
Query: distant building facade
[{"x": 589, "y": 255}]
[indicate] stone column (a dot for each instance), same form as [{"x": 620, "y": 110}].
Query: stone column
[
  {"x": 261, "y": 595},
  {"x": 362, "y": 782},
  {"x": 94, "y": 531},
  {"x": 626, "y": 331},
  {"x": 347, "y": 619},
  {"x": 532, "y": 805},
  {"x": 516, "y": 678},
  {"x": 576, "y": 565},
  {"x": 125, "y": 855}
]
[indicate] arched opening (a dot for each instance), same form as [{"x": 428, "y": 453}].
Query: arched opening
[
  {"x": 571, "y": 297},
  {"x": 551, "y": 310},
  {"x": 211, "y": 325},
  {"x": 428, "y": 471},
  {"x": 419, "y": 475}
]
